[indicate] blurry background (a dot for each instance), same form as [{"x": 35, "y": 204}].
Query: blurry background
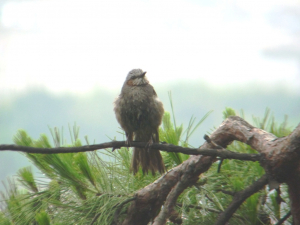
[{"x": 64, "y": 61}]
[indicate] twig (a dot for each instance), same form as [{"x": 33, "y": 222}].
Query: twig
[
  {"x": 210, "y": 199},
  {"x": 199, "y": 207},
  {"x": 95, "y": 218},
  {"x": 232, "y": 193},
  {"x": 278, "y": 196},
  {"x": 219, "y": 165},
  {"x": 223, "y": 153},
  {"x": 215, "y": 146},
  {"x": 281, "y": 221},
  {"x": 239, "y": 198}
]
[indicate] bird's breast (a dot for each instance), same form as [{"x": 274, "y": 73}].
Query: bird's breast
[{"x": 139, "y": 111}]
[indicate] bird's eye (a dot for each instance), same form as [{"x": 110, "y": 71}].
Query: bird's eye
[{"x": 133, "y": 77}]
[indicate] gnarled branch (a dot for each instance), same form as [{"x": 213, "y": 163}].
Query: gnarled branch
[
  {"x": 239, "y": 198},
  {"x": 271, "y": 148},
  {"x": 280, "y": 158}
]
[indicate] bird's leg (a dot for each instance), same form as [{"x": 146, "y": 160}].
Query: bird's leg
[
  {"x": 149, "y": 143},
  {"x": 129, "y": 138}
]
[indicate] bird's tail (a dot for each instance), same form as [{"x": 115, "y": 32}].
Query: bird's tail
[{"x": 148, "y": 159}]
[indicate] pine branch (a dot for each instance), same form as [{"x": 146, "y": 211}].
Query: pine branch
[
  {"x": 199, "y": 207},
  {"x": 207, "y": 209},
  {"x": 278, "y": 156}
]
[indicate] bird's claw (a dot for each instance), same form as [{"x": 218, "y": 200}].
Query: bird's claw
[
  {"x": 128, "y": 140},
  {"x": 149, "y": 144},
  {"x": 128, "y": 143}
]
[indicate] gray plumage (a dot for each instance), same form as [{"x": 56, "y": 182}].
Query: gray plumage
[{"x": 140, "y": 112}]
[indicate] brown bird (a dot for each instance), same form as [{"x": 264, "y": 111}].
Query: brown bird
[{"x": 140, "y": 112}]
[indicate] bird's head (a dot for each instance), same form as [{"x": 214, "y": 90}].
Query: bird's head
[{"x": 136, "y": 77}]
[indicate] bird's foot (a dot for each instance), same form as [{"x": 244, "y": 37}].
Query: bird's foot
[
  {"x": 149, "y": 144},
  {"x": 128, "y": 140},
  {"x": 128, "y": 143}
]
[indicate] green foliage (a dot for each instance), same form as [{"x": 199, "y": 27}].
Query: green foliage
[
  {"x": 201, "y": 203},
  {"x": 26, "y": 179},
  {"x": 228, "y": 112},
  {"x": 42, "y": 218},
  {"x": 231, "y": 112},
  {"x": 78, "y": 188},
  {"x": 75, "y": 188},
  {"x": 268, "y": 124},
  {"x": 172, "y": 134},
  {"x": 4, "y": 220}
]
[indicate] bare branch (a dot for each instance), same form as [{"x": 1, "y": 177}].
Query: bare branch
[
  {"x": 223, "y": 153},
  {"x": 239, "y": 198},
  {"x": 168, "y": 209},
  {"x": 280, "y": 158},
  {"x": 150, "y": 199},
  {"x": 283, "y": 219}
]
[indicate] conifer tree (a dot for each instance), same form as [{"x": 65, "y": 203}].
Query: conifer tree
[{"x": 97, "y": 188}]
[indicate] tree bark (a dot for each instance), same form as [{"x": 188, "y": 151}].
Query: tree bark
[{"x": 280, "y": 159}]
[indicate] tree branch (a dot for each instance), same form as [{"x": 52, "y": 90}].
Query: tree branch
[
  {"x": 223, "y": 153},
  {"x": 168, "y": 209},
  {"x": 283, "y": 219},
  {"x": 150, "y": 199},
  {"x": 239, "y": 198},
  {"x": 280, "y": 158}
]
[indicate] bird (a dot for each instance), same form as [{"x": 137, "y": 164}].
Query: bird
[{"x": 139, "y": 112}]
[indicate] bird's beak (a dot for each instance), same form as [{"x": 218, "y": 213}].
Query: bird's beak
[{"x": 143, "y": 74}]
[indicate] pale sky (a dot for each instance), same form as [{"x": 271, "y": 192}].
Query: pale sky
[{"x": 74, "y": 46}]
